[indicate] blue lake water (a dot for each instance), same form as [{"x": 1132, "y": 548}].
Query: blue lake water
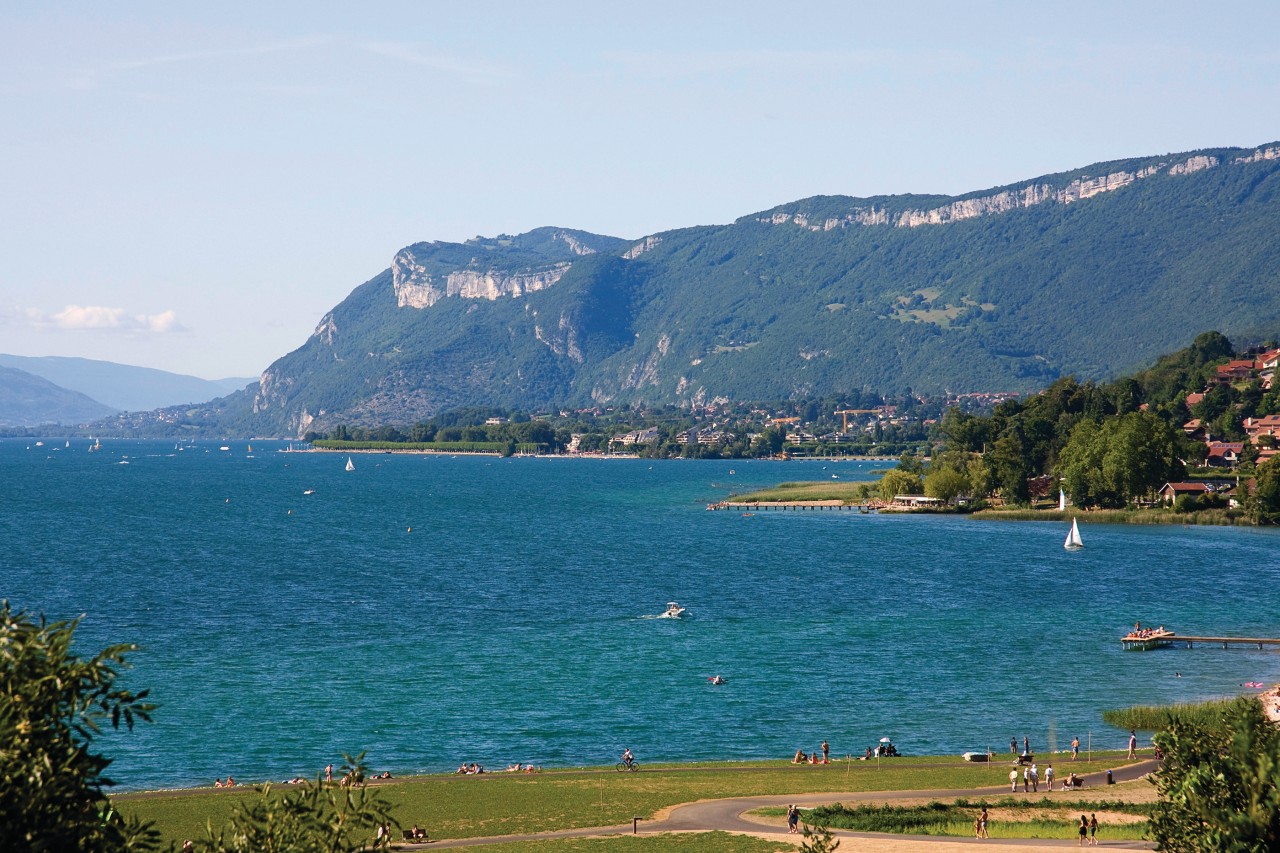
[{"x": 509, "y": 624}]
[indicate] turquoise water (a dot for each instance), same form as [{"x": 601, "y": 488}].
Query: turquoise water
[{"x": 510, "y": 623}]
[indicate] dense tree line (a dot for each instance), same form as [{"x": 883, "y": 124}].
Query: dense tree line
[{"x": 1107, "y": 444}]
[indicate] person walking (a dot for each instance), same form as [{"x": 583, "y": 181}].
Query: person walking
[
  {"x": 1084, "y": 830},
  {"x": 328, "y": 773},
  {"x": 1026, "y": 779},
  {"x": 1075, "y": 748},
  {"x": 1035, "y": 779},
  {"x": 1093, "y": 829},
  {"x": 1013, "y": 780},
  {"x": 1048, "y": 776},
  {"x": 826, "y": 751},
  {"x": 982, "y": 823},
  {"x": 1133, "y": 744},
  {"x": 793, "y": 818}
]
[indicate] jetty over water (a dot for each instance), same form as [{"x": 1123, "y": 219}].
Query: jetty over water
[
  {"x": 1166, "y": 639},
  {"x": 766, "y": 506}
]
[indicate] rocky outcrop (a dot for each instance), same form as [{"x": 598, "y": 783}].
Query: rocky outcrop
[
  {"x": 1002, "y": 202},
  {"x": 575, "y": 245},
  {"x": 640, "y": 248},
  {"x": 415, "y": 287},
  {"x": 1260, "y": 155}
]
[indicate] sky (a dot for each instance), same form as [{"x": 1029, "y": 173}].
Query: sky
[{"x": 192, "y": 186}]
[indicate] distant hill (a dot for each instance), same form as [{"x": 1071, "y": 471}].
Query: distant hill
[
  {"x": 122, "y": 386},
  {"x": 1091, "y": 272},
  {"x": 27, "y": 400}
]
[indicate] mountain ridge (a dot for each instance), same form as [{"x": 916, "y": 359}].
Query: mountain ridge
[{"x": 1091, "y": 271}]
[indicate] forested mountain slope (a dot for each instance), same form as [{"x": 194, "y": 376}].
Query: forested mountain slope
[{"x": 1090, "y": 272}]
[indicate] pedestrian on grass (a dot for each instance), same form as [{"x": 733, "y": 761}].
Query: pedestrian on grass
[
  {"x": 1026, "y": 746},
  {"x": 793, "y": 818},
  {"x": 1093, "y": 829},
  {"x": 1075, "y": 748},
  {"x": 1013, "y": 745},
  {"x": 1083, "y": 830},
  {"x": 1133, "y": 744},
  {"x": 1035, "y": 778},
  {"x": 1048, "y": 776},
  {"x": 1013, "y": 780},
  {"x": 982, "y": 824},
  {"x": 826, "y": 751},
  {"x": 1026, "y": 779}
]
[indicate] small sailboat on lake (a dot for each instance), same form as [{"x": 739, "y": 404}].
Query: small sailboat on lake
[
  {"x": 351, "y": 466},
  {"x": 1074, "y": 542}
]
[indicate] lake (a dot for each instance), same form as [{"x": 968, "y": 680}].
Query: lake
[{"x": 433, "y": 610}]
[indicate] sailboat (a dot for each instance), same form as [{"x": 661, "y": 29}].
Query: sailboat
[
  {"x": 351, "y": 466},
  {"x": 1074, "y": 542}
]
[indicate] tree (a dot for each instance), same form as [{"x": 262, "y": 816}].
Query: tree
[
  {"x": 1219, "y": 788},
  {"x": 899, "y": 482},
  {"x": 52, "y": 704},
  {"x": 945, "y": 483},
  {"x": 316, "y": 817}
]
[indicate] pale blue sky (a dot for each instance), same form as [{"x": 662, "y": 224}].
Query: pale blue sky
[{"x": 192, "y": 188}]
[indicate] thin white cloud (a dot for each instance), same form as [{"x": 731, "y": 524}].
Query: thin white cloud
[
  {"x": 402, "y": 52},
  {"x": 99, "y": 317}
]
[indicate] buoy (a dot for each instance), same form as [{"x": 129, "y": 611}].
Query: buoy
[{"x": 409, "y": 530}]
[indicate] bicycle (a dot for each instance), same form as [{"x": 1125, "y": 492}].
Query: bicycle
[{"x": 623, "y": 766}]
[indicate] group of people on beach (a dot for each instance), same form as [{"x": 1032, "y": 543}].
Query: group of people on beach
[
  {"x": 1031, "y": 779},
  {"x": 230, "y": 783},
  {"x": 801, "y": 757},
  {"x": 465, "y": 769}
]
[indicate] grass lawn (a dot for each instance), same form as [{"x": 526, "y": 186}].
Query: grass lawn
[
  {"x": 682, "y": 842},
  {"x": 450, "y": 806}
]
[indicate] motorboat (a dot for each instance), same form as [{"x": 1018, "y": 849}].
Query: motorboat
[{"x": 673, "y": 611}]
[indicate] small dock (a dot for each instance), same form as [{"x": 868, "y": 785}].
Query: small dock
[
  {"x": 1169, "y": 639},
  {"x": 770, "y": 506}
]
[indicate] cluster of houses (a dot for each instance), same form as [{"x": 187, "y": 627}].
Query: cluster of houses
[{"x": 1263, "y": 433}]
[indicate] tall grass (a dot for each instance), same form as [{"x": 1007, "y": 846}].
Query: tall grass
[
  {"x": 1118, "y": 516},
  {"x": 937, "y": 818},
  {"x": 1156, "y": 718}
]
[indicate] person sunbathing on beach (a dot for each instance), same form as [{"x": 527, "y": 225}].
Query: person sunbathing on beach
[{"x": 799, "y": 757}]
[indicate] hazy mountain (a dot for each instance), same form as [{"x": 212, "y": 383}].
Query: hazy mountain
[
  {"x": 29, "y": 400},
  {"x": 123, "y": 386},
  {"x": 1089, "y": 272}
]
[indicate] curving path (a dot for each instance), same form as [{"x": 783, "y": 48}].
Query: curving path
[{"x": 727, "y": 815}]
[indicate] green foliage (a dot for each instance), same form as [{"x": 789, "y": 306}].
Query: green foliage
[
  {"x": 1119, "y": 460},
  {"x": 1151, "y": 718},
  {"x": 898, "y": 482},
  {"x": 1263, "y": 502},
  {"x": 818, "y": 839},
  {"x": 52, "y": 704},
  {"x": 1219, "y": 786},
  {"x": 313, "y": 817}
]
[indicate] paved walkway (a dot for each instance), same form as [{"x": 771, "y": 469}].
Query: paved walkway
[{"x": 727, "y": 815}]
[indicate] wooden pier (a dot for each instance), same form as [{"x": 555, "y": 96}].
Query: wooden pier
[
  {"x": 769, "y": 506},
  {"x": 1169, "y": 639}
]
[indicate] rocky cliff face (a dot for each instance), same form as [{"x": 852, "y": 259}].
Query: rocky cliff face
[
  {"x": 415, "y": 287},
  {"x": 1014, "y": 199}
]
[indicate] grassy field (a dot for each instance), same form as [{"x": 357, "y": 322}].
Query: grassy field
[{"x": 500, "y": 804}]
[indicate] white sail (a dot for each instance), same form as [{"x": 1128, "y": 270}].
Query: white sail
[
  {"x": 1073, "y": 538},
  {"x": 351, "y": 466}
]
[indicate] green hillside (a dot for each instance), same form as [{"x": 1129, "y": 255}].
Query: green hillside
[{"x": 1091, "y": 272}]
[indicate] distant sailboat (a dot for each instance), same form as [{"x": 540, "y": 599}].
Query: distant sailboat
[
  {"x": 351, "y": 466},
  {"x": 1074, "y": 542}
]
